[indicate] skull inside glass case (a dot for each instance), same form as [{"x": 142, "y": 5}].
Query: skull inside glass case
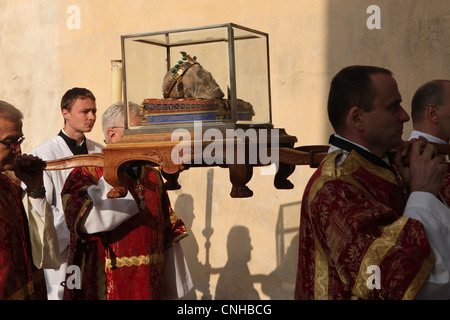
[{"x": 217, "y": 74}]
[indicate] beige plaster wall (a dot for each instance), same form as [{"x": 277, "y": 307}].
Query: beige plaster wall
[{"x": 41, "y": 57}]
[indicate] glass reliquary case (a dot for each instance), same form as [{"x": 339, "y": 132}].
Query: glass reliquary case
[{"x": 217, "y": 74}]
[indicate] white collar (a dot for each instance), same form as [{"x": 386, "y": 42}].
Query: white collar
[{"x": 416, "y": 134}]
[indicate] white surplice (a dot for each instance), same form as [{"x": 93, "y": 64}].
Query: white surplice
[
  {"x": 53, "y": 149},
  {"x": 435, "y": 217}
]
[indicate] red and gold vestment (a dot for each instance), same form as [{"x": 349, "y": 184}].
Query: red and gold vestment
[
  {"x": 445, "y": 190},
  {"x": 351, "y": 219},
  {"x": 19, "y": 278},
  {"x": 125, "y": 263}
]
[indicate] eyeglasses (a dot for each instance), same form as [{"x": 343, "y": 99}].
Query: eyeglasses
[{"x": 13, "y": 143}]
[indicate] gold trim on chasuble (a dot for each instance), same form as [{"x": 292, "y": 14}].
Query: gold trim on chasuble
[
  {"x": 375, "y": 255},
  {"x": 135, "y": 261},
  {"x": 420, "y": 278},
  {"x": 379, "y": 248},
  {"x": 87, "y": 204}
]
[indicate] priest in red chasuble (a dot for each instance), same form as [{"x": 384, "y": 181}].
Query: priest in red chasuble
[
  {"x": 125, "y": 248},
  {"x": 363, "y": 231},
  {"x": 22, "y": 246}
]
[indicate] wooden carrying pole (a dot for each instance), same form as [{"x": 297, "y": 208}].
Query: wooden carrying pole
[
  {"x": 304, "y": 155},
  {"x": 82, "y": 160}
]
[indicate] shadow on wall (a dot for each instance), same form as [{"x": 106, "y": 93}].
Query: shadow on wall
[
  {"x": 280, "y": 283},
  {"x": 235, "y": 280},
  {"x": 184, "y": 208}
]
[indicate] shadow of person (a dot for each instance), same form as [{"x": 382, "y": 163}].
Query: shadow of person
[
  {"x": 235, "y": 281},
  {"x": 184, "y": 209},
  {"x": 280, "y": 283}
]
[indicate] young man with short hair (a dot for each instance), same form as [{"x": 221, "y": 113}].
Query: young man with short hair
[{"x": 78, "y": 109}]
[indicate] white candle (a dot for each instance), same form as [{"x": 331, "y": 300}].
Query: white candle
[{"x": 116, "y": 81}]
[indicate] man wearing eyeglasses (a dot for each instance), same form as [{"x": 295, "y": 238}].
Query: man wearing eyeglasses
[
  {"x": 22, "y": 246},
  {"x": 78, "y": 109},
  {"x": 11, "y": 143}
]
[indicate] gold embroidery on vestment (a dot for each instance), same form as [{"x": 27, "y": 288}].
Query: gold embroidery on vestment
[
  {"x": 321, "y": 277},
  {"x": 86, "y": 204},
  {"x": 376, "y": 253},
  {"x": 328, "y": 173},
  {"x": 378, "y": 171},
  {"x": 135, "y": 261},
  {"x": 420, "y": 278},
  {"x": 380, "y": 247}
]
